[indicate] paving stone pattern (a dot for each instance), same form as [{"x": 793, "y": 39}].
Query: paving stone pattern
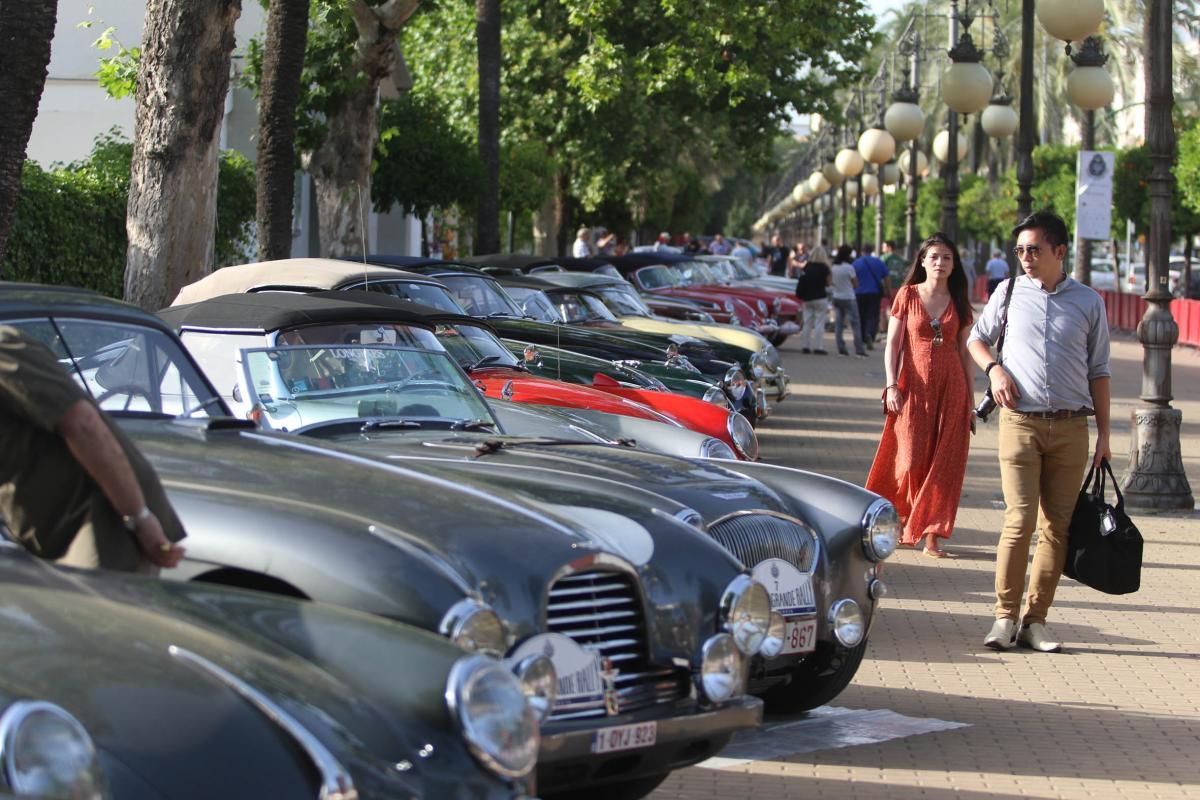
[{"x": 1116, "y": 715}]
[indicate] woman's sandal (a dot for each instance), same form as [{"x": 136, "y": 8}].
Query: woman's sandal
[{"x": 938, "y": 553}]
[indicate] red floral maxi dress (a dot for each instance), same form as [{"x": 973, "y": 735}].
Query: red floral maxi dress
[{"x": 922, "y": 456}]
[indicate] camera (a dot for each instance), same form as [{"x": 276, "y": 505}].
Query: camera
[{"x": 986, "y": 406}]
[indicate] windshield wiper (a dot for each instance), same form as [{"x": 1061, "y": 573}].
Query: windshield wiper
[
  {"x": 483, "y": 362},
  {"x": 473, "y": 425},
  {"x": 389, "y": 424}
]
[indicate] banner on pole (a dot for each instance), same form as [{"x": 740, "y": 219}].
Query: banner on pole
[{"x": 1093, "y": 194}]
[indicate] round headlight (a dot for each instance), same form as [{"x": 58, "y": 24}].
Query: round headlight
[
  {"x": 776, "y": 631},
  {"x": 762, "y": 308},
  {"x": 497, "y": 721},
  {"x": 742, "y": 433},
  {"x": 722, "y": 676},
  {"x": 746, "y": 611},
  {"x": 715, "y": 448},
  {"x": 540, "y": 683},
  {"x": 757, "y": 366},
  {"x": 48, "y": 753},
  {"x": 848, "y": 623},
  {"x": 881, "y": 530},
  {"x": 474, "y": 627},
  {"x": 716, "y": 395}
]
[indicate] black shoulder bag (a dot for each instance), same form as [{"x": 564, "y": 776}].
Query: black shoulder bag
[{"x": 1104, "y": 547}]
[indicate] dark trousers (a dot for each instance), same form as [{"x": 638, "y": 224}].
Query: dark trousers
[{"x": 868, "y": 314}]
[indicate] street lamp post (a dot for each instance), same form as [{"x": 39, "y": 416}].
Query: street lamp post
[
  {"x": 1028, "y": 126},
  {"x": 1155, "y": 479}
]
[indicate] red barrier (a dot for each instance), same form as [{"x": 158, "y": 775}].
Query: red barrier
[{"x": 1125, "y": 311}]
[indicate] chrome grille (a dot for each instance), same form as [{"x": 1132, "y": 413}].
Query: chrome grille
[
  {"x": 602, "y": 612},
  {"x": 755, "y": 536}
]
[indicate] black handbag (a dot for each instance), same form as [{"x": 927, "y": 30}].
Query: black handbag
[{"x": 1104, "y": 547}]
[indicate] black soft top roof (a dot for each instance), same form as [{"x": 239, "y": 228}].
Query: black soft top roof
[
  {"x": 23, "y": 300},
  {"x": 581, "y": 280},
  {"x": 427, "y": 315},
  {"x": 423, "y": 266},
  {"x": 273, "y": 311},
  {"x": 632, "y": 261},
  {"x": 518, "y": 262},
  {"x": 526, "y": 281}
]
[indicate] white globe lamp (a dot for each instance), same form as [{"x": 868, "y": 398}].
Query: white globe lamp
[
  {"x": 999, "y": 120},
  {"x": 941, "y": 146},
  {"x": 849, "y": 162},
  {"x": 876, "y": 145},
  {"x": 905, "y": 121},
  {"x": 905, "y": 162},
  {"x": 1070, "y": 20}
]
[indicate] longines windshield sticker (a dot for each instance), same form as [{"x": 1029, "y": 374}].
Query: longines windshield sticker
[{"x": 791, "y": 590}]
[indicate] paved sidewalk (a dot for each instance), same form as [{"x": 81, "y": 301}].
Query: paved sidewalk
[{"x": 1116, "y": 715}]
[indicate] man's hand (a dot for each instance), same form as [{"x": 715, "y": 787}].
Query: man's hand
[
  {"x": 1004, "y": 388},
  {"x": 155, "y": 545},
  {"x": 1103, "y": 450}
]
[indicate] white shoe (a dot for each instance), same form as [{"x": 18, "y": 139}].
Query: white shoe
[
  {"x": 1002, "y": 635},
  {"x": 1036, "y": 637}
]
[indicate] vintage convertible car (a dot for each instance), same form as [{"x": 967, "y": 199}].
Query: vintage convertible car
[
  {"x": 134, "y": 688},
  {"x": 558, "y": 298},
  {"x": 217, "y": 329},
  {"x": 817, "y": 540},
  {"x": 648, "y": 625}
]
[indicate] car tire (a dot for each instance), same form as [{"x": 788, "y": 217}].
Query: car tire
[
  {"x": 619, "y": 790},
  {"x": 817, "y": 680}
]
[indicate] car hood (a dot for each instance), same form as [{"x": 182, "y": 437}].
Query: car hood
[
  {"x": 728, "y": 334},
  {"x": 112, "y": 652},
  {"x": 458, "y": 538}
]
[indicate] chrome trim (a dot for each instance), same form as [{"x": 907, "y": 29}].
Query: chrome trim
[
  {"x": 460, "y": 673},
  {"x": 456, "y": 616},
  {"x": 17, "y": 713},
  {"x": 336, "y": 783},
  {"x": 870, "y": 516},
  {"x": 755, "y": 545},
  {"x": 831, "y": 618}
]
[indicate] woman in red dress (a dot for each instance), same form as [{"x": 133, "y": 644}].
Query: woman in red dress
[{"x": 922, "y": 456}]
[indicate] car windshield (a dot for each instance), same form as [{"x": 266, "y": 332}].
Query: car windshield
[
  {"x": 624, "y": 301},
  {"x": 722, "y": 271},
  {"x": 534, "y": 303},
  {"x": 480, "y": 296},
  {"x": 127, "y": 367},
  {"x": 698, "y": 273},
  {"x": 296, "y": 387},
  {"x": 658, "y": 277},
  {"x": 573, "y": 306},
  {"x": 425, "y": 293},
  {"x": 473, "y": 347},
  {"x": 741, "y": 270}
]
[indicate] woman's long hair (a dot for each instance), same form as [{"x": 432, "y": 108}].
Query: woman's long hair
[{"x": 957, "y": 284}]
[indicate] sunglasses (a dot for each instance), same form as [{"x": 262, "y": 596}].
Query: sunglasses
[
  {"x": 937, "y": 332},
  {"x": 1033, "y": 251}
]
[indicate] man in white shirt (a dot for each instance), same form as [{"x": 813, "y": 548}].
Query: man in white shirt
[
  {"x": 583, "y": 244},
  {"x": 1053, "y": 376}
]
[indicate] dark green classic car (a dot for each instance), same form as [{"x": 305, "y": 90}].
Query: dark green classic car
[
  {"x": 662, "y": 687},
  {"x": 139, "y": 689}
]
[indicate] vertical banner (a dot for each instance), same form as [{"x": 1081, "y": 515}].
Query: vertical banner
[{"x": 1093, "y": 194}]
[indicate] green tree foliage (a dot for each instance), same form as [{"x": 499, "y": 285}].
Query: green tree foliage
[
  {"x": 421, "y": 162},
  {"x": 69, "y": 226},
  {"x": 1187, "y": 166}
]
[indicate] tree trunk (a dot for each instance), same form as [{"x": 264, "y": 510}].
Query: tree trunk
[
  {"x": 487, "y": 33},
  {"x": 341, "y": 164},
  {"x": 182, "y": 80},
  {"x": 26, "y": 28},
  {"x": 562, "y": 211},
  {"x": 283, "y": 61},
  {"x": 545, "y": 229}
]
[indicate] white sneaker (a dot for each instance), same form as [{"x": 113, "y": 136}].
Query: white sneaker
[
  {"x": 1036, "y": 637},
  {"x": 1002, "y": 635}
]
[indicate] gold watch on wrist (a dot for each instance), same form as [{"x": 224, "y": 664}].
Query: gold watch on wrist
[{"x": 132, "y": 521}]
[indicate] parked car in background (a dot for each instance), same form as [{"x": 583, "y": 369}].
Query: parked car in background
[
  {"x": 139, "y": 689},
  {"x": 537, "y": 568}
]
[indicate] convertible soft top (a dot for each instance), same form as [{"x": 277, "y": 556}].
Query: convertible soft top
[
  {"x": 293, "y": 274},
  {"x": 272, "y": 311},
  {"x": 511, "y": 262}
]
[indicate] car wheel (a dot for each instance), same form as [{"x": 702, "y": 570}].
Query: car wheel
[
  {"x": 620, "y": 790},
  {"x": 817, "y": 680}
]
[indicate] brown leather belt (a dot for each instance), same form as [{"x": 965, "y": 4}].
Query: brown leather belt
[{"x": 1062, "y": 413}]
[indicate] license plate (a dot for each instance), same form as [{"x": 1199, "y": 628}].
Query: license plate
[
  {"x": 800, "y": 636},
  {"x": 625, "y": 737}
]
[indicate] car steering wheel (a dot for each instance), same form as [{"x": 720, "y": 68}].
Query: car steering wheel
[{"x": 130, "y": 390}]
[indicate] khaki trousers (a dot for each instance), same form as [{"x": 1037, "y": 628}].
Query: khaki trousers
[{"x": 1042, "y": 463}]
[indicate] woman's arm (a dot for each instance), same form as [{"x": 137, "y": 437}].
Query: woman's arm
[{"x": 893, "y": 399}]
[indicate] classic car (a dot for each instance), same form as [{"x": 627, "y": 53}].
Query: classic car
[
  {"x": 817, "y": 540},
  {"x": 480, "y": 295},
  {"x": 648, "y": 624},
  {"x": 215, "y": 330},
  {"x": 733, "y": 272},
  {"x": 667, "y": 307},
  {"x": 130, "y": 687},
  {"x": 569, "y": 298}
]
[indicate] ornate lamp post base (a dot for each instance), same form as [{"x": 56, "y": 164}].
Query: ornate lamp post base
[{"x": 1155, "y": 480}]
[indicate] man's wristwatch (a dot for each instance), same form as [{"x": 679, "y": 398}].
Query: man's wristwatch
[
  {"x": 988, "y": 369},
  {"x": 132, "y": 521}
]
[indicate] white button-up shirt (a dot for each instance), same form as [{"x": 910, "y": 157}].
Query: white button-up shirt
[{"x": 1057, "y": 342}]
